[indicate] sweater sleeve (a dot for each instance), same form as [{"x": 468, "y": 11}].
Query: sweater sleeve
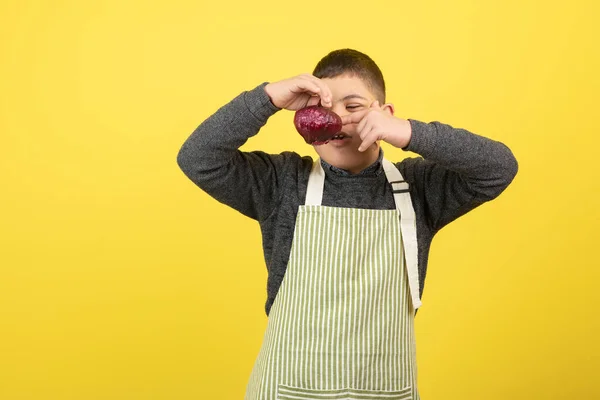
[
  {"x": 458, "y": 171},
  {"x": 249, "y": 182}
]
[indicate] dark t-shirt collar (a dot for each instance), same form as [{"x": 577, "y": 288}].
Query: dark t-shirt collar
[{"x": 373, "y": 169}]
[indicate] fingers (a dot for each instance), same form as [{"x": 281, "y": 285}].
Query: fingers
[
  {"x": 358, "y": 116},
  {"x": 304, "y": 85},
  {"x": 368, "y": 138},
  {"x": 326, "y": 95},
  {"x": 313, "y": 101},
  {"x": 362, "y": 125},
  {"x": 366, "y": 124},
  {"x": 324, "y": 91},
  {"x": 305, "y": 89},
  {"x": 367, "y": 127},
  {"x": 355, "y": 117}
]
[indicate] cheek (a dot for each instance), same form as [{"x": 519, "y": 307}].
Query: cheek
[
  {"x": 351, "y": 129},
  {"x": 340, "y": 110}
]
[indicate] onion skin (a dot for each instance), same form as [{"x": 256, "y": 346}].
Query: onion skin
[{"x": 317, "y": 125}]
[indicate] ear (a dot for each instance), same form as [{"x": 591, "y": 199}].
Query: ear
[{"x": 389, "y": 107}]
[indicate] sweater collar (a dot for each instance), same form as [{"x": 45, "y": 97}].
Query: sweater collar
[{"x": 373, "y": 169}]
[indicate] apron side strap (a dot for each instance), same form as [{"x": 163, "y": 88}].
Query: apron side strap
[{"x": 408, "y": 226}]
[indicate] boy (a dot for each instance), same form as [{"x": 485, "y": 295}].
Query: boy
[{"x": 346, "y": 237}]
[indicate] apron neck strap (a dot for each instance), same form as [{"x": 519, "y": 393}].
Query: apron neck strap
[
  {"x": 316, "y": 182},
  {"x": 394, "y": 177}
]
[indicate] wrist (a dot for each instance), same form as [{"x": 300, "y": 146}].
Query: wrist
[
  {"x": 259, "y": 104},
  {"x": 404, "y": 134},
  {"x": 269, "y": 91},
  {"x": 408, "y": 134}
]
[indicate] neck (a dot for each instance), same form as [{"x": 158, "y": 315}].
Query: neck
[{"x": 365, "y": 161}]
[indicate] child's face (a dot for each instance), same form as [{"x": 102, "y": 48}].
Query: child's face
[{"x": 350, "y": 94}]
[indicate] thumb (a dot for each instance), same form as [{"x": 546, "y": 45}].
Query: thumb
[
  {"x": 354, "y": 117},
  {"x": 375, "y": 104}
]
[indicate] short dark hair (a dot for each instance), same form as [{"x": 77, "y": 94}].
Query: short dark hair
[{"x": 354, "y": 63}]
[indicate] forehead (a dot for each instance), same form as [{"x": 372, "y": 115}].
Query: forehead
[{"x": 345, "y": 85}]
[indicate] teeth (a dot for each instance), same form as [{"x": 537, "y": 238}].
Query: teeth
[{"x": 340, "y": 136}]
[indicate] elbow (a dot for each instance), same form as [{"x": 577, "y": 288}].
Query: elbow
[
  {"x": 188, "y": 163},
  {"x": 502, "y": 172},
  {"x": 507, "y": 170},
  {"x": 510, "y": 167},
  {"x": 182, "y": 159},
  {"x": 198, "y": 167},
  {"x": 185, "y": 160}
]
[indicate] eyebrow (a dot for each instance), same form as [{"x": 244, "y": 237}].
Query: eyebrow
[{"x": 352, "y": 96}]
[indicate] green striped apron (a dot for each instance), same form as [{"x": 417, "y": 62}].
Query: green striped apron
[{"x": 341, "y": 325}]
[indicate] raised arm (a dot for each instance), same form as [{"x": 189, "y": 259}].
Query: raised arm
[
  {"x": 249, "y": 182},
  {"x": 458, "y": 171}
]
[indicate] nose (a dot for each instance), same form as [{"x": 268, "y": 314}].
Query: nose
[{"x": 339, "y": 109}]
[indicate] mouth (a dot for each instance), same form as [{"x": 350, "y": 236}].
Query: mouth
[{"x": 339, "y": 137}]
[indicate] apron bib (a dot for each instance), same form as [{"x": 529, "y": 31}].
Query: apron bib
[{"x": 342, "y": 323}]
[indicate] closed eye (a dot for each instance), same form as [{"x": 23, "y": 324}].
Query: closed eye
[{"x": 353, "y": 106}]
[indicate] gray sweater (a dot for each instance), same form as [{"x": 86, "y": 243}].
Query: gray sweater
[{"x": 457, "y": 172}]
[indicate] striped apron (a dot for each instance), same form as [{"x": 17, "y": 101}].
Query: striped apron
[{"x": 341, "y": 325}]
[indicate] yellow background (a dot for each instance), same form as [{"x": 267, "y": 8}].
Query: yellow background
[{"x": 119, "y": 279}]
